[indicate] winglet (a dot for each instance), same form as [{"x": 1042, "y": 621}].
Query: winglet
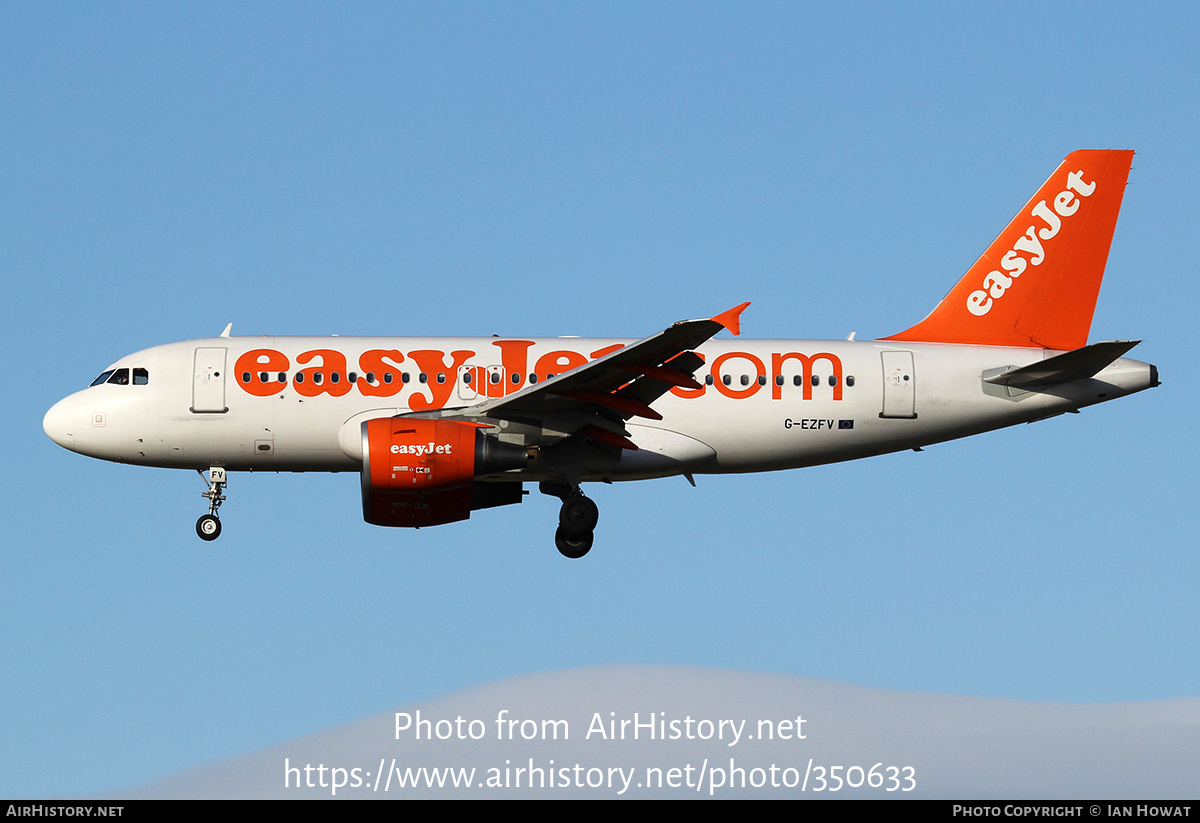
[{"x": 731, "y": 319}]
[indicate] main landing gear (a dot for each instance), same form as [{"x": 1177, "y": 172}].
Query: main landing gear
[
  {"x": 576, "y": 519},
  {"x": 209, "y": 525}
]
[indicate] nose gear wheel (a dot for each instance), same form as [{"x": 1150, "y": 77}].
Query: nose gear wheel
[{"x": 208, "y": 527}]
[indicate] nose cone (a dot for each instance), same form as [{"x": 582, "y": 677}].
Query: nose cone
[{"x": 59, "y": 423}]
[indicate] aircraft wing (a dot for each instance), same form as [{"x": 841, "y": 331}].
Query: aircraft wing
[{"x": 594, "y": 400}]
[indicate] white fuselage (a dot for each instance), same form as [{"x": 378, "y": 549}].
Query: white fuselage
[{"x": 764, "y": 404}]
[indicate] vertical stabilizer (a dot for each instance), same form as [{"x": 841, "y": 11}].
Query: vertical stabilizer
[{"x": 1037, "y": 283}]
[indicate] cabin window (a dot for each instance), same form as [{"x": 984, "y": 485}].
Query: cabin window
[
  {"x": 283, "y": 377},
  {"x": 532, "y": 379},
  {"x": 779, "y": 380},
  {"x": 245, "y": 377},
  {"x": 726, "y": 379},
  {"x": 371, "y": 377},
  {"x": 708, "y": 379},
  {"x": 441, "y": 377},
  {"x": 335, "y": 378},
  {"x": 849, "y": 380},
  {"x": 833, "y": 379},
  {"x": 262, "y": 375},
  {"x": 405, "y": 377},
  {"x": 797, "y": 380},
  {"x": 494, "y": 378},
  {"x": 745, "y": 380},
  {"x": 762, "y": 380},
  {"x": 424, "y": 378},
  {"x": 816, "y": 380},
  {"x": 516, "y": 379}
]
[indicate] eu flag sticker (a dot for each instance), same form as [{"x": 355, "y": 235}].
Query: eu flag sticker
[{"x": 845, "y": 424}]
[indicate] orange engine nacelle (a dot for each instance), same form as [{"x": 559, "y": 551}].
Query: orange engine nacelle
[{"x": 419, "y": 472}]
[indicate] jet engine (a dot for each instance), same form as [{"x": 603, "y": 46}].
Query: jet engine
[{"x": 420, "y": 472}]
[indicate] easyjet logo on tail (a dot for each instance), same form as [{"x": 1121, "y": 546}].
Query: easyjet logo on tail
[{"x": 1028, "y": 250}]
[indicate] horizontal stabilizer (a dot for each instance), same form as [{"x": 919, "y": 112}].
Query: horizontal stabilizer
[{"x": 1063, "y": 368}]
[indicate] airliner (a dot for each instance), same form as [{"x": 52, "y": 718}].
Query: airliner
[{"x": 438, "y": 428}]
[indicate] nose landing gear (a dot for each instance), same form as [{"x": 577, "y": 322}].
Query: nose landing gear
[{"x": 209, "y": 525}]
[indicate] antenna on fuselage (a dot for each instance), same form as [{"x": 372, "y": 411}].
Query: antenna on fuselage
[{"x": 228, "y": 329}]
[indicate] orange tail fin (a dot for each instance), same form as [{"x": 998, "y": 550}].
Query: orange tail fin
[{"x": 1037, "y": 283}]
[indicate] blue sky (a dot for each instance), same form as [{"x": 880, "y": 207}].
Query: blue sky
[{"x": 604, "y": 170}]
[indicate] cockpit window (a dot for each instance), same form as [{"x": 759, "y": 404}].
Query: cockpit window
[{"x": 120, "y": 377}]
